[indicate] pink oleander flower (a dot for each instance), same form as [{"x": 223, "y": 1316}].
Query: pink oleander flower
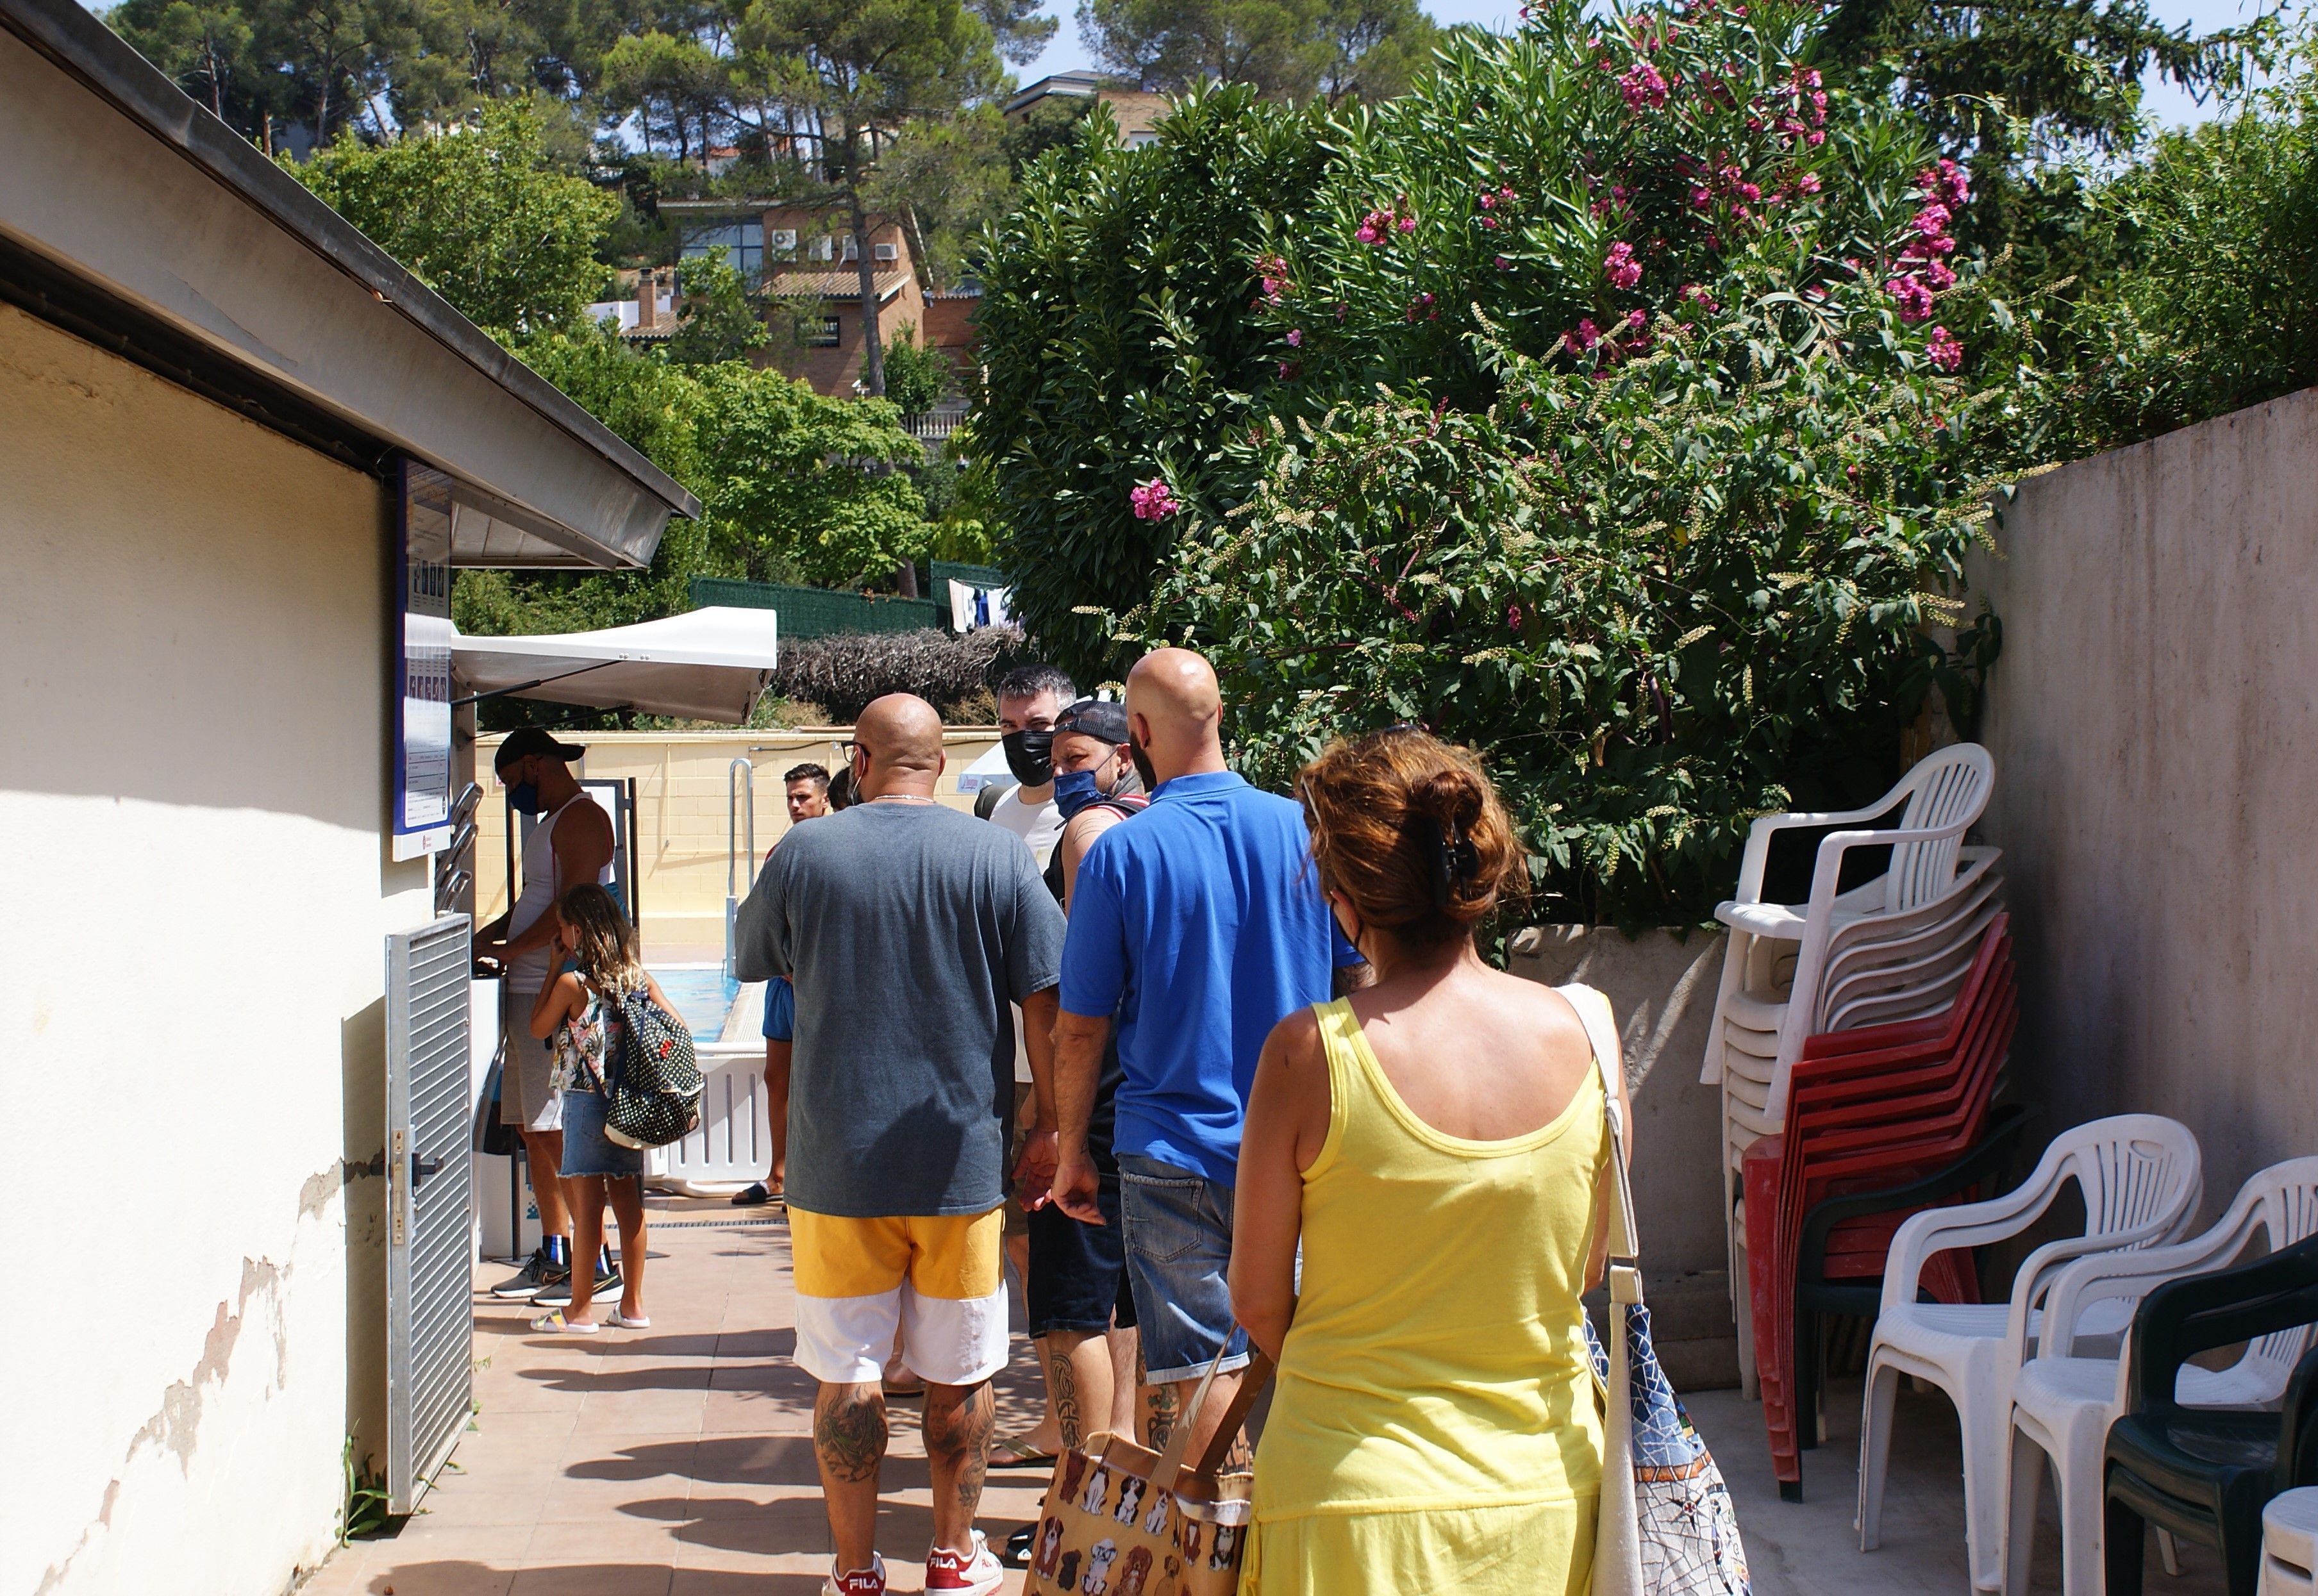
[
  {"x": 1154, "y": 501},
  {"x": 1932, "y": 221},
  {"x": 1273, "y": 271},
  {"x": 1915, "y": 297},
  {"x": 1489, "y": 199},
  {"x": 1622, "y": 268},
  {"x": 1698, "y": 198},
  {"x": 1810, "y": 77},
  {"x": 1750, "y": 191},
  {"x": 1638, "y": 318},
  {"x": 1513, "y": 619},
  {"x": 1371, "y": 228},
  {"x": 1296, "y": 338},
  {"x": 1808, "y": 183},
  {"x": 1408, "y": 224},
  {"x": 1504, "y": 265},
  {"x": 1814, "y": 138},
  {"x": 1939, "y": 275},
  {"x": 1946, "y": 353},
  {"x": 1618, "y": 194},
  {"x": 1642, "y": 84},
  {"x": 1285, "y": 368},
  {"x": 1579, "y": 339}
]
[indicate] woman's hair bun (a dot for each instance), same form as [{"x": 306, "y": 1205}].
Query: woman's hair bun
[{"x": 1409, "y": 830}]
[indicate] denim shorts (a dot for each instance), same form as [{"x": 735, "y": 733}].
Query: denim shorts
[
  {"x": 587, "y": 1151},
  {"x": 1178, "y": 1248},
  {"x": 1078, "y": 1271}
]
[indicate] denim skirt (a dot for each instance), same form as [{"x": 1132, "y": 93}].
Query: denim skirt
[{"x": 587, "y": 1151}]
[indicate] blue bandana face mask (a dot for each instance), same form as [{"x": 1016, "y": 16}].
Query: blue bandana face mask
[
  {"x": 1074, "y": 790},
  {"x": 525, "y": 796}
]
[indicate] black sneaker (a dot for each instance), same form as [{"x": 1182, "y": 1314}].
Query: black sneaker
[
  {"x": 524, "y": 1285},
  {"x": 557, "y": 1293},
  {"x": 555, "y": 1285}
]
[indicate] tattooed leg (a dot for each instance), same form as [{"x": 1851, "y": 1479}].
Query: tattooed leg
[
  {"x": 958, "y": 1422},
  {"x": 849, "y": 1443},
  {"x": 1080, "y": 1382},
  {"x": 1161, "y": 1407}
]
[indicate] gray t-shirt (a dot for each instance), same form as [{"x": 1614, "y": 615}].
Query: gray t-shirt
[{"x": 906, "y": 928}]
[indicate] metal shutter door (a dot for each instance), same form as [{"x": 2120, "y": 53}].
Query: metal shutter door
[{"x": 430, "y": 1314}]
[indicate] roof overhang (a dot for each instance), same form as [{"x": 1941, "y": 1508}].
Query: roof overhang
[
  {"x": 131, "y": 217},
  {"x": 708, "y": 665}
]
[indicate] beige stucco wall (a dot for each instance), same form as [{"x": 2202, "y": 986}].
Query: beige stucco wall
[
  {"x": 192, "y": 639},
  {"x": 2154, "y": 720},
  {"x": 683, "y": 819}
]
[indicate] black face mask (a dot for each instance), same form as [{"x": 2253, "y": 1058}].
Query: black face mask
[
  {"x": 1142, "y": 764},
  {"x": 1030, "y": 756}
]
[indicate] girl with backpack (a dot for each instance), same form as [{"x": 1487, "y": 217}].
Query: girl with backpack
[{"x": 578, "y": 1014}]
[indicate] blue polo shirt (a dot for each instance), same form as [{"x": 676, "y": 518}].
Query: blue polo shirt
[{"x": 1199, "y": 925}]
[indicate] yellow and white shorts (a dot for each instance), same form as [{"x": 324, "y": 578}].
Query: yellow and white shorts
[{"x": 936, "y": 1279}]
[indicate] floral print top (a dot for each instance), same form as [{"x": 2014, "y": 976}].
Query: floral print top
[{"x": 582, "y": 1044}]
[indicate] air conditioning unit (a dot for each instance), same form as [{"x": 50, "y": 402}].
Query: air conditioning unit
[
  {"x": 852, "y": 249},
  {"x": 781, "y": 238},
  {"x": 824, "y": 248},
  {"x": 887, "y": 252}
]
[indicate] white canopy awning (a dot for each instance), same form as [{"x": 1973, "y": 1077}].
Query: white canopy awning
[{"x": 708, "y": 665}]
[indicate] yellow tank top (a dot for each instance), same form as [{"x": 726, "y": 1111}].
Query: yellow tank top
[{"x": 1436, "y": 1358}]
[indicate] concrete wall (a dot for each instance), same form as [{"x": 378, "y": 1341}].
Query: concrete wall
[
  {"x": 193, "y": 636},
  {"x": 1662, "y": 985},
  {"x": 2154, "y": 720},
  {"x": 683, "y": 816}
]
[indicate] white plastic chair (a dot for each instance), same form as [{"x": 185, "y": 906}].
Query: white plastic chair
[
  {"x": 2062, "y": 1402},
  {"x": 2289, "y": 1544},
  {"x": 2140, "y": 1177},
  {"x": 1944, "y": 796}
]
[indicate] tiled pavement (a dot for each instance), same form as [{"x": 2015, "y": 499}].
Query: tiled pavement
[
  {"x": 677, "y": 1461},
  {"x": 674, "y": 1461}
]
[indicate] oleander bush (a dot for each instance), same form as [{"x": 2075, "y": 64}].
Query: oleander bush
[{"x": 1628, "y": 415}]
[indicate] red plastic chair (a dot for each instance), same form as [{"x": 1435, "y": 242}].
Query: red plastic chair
[{"x": 1868, "y": 1110}]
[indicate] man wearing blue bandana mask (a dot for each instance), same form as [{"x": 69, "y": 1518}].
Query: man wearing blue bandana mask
[{"x": 1081, "y": 1315}]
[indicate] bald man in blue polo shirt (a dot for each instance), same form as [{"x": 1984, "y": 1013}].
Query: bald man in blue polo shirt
[{"x": 1199, "y": 925}]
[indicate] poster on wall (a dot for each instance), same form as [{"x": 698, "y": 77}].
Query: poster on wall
[{"x": 422, "y": 739}]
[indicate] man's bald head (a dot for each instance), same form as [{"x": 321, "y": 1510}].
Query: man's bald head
[
  {"x": 1174, "y": 710},
  {"x": 900, "y": 737}
]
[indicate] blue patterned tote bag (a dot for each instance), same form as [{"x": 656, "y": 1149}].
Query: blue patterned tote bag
[{"x": 1675, "y": 1532}]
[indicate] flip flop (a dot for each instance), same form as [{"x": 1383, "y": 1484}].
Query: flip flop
[
  {"x": 552, "y": 1321},
  {"x": 1019, "y": 1545},
  {"x": 1018, "y": 1455}
]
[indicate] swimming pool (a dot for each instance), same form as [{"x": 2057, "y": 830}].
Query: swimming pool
[{"x": 702, "y": 994}]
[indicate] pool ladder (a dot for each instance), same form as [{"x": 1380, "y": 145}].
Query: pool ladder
[{"x": 739, "y": 860}]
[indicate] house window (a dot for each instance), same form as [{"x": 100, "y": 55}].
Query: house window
[
  {"x": 821, "y": 333},
  {"x": 740, "y": 243}
]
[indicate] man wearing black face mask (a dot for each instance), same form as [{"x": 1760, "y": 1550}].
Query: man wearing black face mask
[
  {"x": 1029, "y": 700},
  {"x": 571, "y": 844}
]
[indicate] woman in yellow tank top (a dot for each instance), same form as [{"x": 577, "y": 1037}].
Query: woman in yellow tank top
[{"x": 1437, "y": 1142}]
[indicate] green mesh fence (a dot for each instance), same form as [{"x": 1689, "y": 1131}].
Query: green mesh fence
[{"x": 816, "y": 611}]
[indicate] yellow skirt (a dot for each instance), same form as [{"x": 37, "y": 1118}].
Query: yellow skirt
[{"x": 1542, "y": 1548}]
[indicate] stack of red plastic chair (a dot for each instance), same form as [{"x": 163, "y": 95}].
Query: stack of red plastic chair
[{"x": 1868, "y": 1110}]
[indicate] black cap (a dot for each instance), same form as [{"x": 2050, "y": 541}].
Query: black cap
[
  {"x": 1102, "y": 717},
  {"x": 525, "y": 741}
]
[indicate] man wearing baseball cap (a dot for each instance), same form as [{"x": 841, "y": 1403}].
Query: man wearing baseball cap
[{"x": 572, "y": 843}]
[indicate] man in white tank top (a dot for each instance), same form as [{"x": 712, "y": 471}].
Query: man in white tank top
[{"x": 573, "y": 843}]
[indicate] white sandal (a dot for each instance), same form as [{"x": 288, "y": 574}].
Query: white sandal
[
  {"x": 554, "y": 1321},
  {"x": 619, "y": 1320}
]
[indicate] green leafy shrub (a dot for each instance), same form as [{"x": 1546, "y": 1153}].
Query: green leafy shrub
[
  {"x": 917, "y": 378},
  {"x": 1621, "y": 428},
  {"x": 2212, "y": 303},
  {"x": 1115, "y": 330},
  {"x": 844, "y": 672}
]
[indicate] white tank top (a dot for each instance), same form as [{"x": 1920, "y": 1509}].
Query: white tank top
[{"x": 540, "y": 888}]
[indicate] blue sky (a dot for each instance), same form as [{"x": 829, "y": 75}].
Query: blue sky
[{"x": 2166, "y": 102}]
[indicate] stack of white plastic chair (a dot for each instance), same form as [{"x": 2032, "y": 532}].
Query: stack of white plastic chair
[
  {"x": 2066, "y": 1396},
  {"x": 2139, "y": 1176},
  {"x": 1896, "y": 948}
]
